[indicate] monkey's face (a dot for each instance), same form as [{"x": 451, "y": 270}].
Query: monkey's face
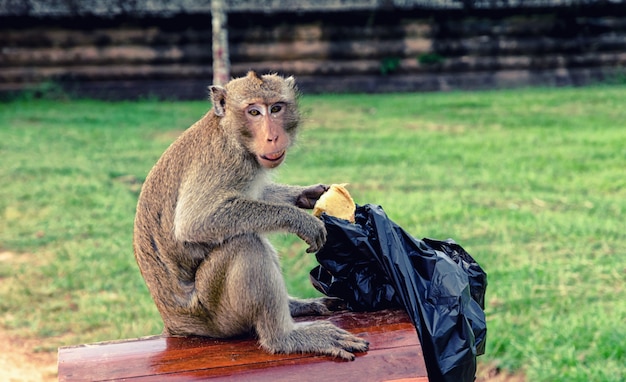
[
  {"x": 270, "y": 140},
  {"x": 264, "y": 112}
]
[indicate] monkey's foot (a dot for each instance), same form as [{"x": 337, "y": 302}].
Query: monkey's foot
[
  {"x": 322, "y": 306},
  {"x": 320, "y": 337}
]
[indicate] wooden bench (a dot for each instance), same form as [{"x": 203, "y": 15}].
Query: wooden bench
[{"x": 395, "y": 355}]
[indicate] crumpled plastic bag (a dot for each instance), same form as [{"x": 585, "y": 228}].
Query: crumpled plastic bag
[{"x": 374, "y": 264}]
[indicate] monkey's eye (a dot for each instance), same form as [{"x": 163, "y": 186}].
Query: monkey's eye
[
  {"x": 254, "y": 112},
  {"x": 276, "y": 108}
]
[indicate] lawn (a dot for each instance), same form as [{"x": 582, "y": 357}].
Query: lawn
[{"x": 531, "y": 182}]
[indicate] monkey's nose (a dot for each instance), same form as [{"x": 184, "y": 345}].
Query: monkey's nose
[{"x": 272, "y": 139}]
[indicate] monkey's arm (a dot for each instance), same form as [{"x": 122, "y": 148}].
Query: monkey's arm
[
  {"x": 229, "y": 215},
  {"x": 299, "y": 196}
]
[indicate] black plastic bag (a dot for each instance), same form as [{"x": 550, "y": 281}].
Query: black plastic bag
[{"x": 374, "y": 264}]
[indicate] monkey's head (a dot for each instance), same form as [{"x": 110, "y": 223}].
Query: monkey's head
[{"x": 262, "y": 112}]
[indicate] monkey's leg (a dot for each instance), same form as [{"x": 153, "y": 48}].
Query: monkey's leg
[
  {"x": 277, "y": 331},
  {"x": 239, "y": 284},
  {"x": 244, "y": 285}
]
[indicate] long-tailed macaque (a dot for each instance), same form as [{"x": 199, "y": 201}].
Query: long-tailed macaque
[{"x": 202, "y": 219}]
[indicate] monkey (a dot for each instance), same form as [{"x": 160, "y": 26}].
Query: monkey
[{"x": 203, "y": 216}]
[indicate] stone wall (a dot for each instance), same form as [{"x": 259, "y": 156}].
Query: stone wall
[{"x": 384, "y": 49}]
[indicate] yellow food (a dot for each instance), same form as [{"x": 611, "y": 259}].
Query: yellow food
[{"x": 336, "y": 202}]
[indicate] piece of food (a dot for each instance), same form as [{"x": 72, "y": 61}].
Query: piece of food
[{"x": 336, "y": 202}]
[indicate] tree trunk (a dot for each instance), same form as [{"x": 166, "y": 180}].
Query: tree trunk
[{"x": 221, "y": 60}]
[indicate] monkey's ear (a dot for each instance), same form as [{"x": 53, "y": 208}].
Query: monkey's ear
[
  {"x": 218, "y": 98},
  {"x": 291, "y": 82}
]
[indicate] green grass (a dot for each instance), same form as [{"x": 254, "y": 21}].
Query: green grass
[{"x": 531, "y": 182}]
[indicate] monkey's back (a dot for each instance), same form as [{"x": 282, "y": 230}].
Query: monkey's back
[{"x": 168, "y": 265}]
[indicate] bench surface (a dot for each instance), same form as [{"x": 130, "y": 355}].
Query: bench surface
[{"x": 395, "y": 354}]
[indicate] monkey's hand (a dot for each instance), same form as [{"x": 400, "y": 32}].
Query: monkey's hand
[
  {"x": 313, "y": 232},
  {"x": 310, "y": 195}
]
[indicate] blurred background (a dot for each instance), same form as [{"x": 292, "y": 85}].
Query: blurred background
[
  {"x": 501, "y": 125},
  {"x": 128, "y": 49}
]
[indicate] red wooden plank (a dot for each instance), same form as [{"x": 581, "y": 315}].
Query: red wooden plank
[
  {"x": 377, "y": 365},
  {"x": 394, "y": 353}
]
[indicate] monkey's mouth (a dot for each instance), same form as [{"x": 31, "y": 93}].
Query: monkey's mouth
[{"x": 274, "y": 157}]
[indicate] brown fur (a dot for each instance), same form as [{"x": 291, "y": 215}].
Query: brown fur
[{"x": 201, "y": 221}]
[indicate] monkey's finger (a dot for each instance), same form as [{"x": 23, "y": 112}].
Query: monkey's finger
[
  {"x": 334, "y": 304},
  {"x": 304, "y": 202},
  {"x": 345, "y": 348},
  {"x": 337, "y": 351},
  {"x": 355, "y": 344},
  {"x": 314, "y": 247},
  {"x": 319, "y": 308},
  {"x": 348, "y": 339},
  {"x": 345, "y": 355},
  {"x": 309, "y": 196}
]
